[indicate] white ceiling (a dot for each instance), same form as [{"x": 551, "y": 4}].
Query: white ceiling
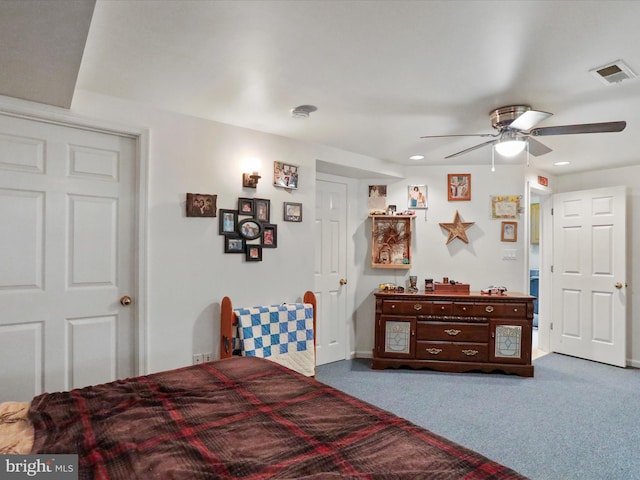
[{"x": 382, "y": 73}]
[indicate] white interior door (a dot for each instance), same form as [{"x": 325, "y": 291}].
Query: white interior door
[
  {"x": 589, "y": 275},
  {"x": 67, "y": 249},
  {"x": 330, "y": 271}
]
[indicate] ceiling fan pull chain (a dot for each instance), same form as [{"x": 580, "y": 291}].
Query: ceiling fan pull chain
[
  {"x": 527, "y": 145},
  {"x": 493, "y": 158}
]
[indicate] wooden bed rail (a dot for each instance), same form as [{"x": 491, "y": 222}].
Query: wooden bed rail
[{"x": 228, "y": 319}]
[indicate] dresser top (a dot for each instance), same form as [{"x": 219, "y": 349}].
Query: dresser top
[{"x": 422, "y": 295}]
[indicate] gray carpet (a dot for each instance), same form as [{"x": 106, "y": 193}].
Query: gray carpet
[{"x": 574, "y": 420}]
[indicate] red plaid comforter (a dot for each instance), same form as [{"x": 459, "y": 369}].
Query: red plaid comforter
[{"x": 245, "y": 418}]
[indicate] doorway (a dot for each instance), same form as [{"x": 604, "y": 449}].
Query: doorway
[{"x": 539, "y": 247}]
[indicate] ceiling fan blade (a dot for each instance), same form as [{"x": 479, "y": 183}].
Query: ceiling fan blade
[
  {"x": 490, "y": 142},
  {"x": 463, "y": 135},
  {"x": 580, "y": 128},
  {"x": 529, "y": 119},
  {"x": 537, "y": 148}
]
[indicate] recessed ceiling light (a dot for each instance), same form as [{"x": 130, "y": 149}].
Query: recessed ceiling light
[
  {"x": 559, "y": 164},
  {"x": 416, "y": 157}
]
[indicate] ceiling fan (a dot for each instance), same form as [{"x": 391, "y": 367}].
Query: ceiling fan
[{"x": 515, "y": 131}]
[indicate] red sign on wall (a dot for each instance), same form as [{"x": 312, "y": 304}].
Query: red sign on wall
[{"x": 544, "y": 181}]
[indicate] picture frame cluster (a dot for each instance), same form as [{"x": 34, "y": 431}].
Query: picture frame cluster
[{"x": 248, "y": 229}]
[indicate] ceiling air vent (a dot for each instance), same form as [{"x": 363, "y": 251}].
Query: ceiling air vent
[{"x": 614, "y": 72}]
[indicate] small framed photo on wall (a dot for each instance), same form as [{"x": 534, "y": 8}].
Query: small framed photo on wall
[
  {"x": 234, "y": 244},
  {"x": 262, "y": 207},
  {"x": 417, "y": 197},
  {"x": 269, "y": 236},
  {"x": 246, "y": 206},
  {"x": 509, "y": 232},
  {"x": 459, "y": 187},
  {"x": 292, "y": 212},
  {"x": 201, "y": 205},
  {"x": 284, "y": 175},
  {"x": 505, "y": 206},
  {"x": 253, "y": 253},
  {"x": 228, "y": 221}
]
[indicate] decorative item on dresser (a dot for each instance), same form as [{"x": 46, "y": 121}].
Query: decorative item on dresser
[{"x": 454, "y": 332}]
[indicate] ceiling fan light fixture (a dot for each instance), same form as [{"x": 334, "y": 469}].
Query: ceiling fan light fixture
[{"x": 510, "y": 145}]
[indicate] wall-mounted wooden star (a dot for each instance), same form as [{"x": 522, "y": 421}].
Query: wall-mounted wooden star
[{"x": 457, "y": 229}]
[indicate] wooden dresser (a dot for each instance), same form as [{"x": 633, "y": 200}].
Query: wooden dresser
[{"x": 454, "y": 332}]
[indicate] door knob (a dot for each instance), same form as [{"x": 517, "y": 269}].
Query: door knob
[
  {"x": 343, "y": 281},
  {"x": 125, "y": 300},
  {"x": 619, "y": 285}
]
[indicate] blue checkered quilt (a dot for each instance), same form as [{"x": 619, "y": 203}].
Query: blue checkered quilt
[{"x": 267, "y": 331}]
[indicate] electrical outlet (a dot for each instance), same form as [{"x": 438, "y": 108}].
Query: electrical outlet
[
  {"x": 198, "y": 358},
  {"x": 207, "y": 357}
]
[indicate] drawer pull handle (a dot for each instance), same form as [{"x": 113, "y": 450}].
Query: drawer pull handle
[
  {"x": 470, "y": 353},
  {"x": 515, "y": 309},
  {"x": 488, "y": 309},
  {"x": 452, "y": 331},
  {"x": 417, "y": 306},
  {"x": 441, "y": 308},
  {"x": 434, "y": 351},
  {"x": 393, "y": 306}
]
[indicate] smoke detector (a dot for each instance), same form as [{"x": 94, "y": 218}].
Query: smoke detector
[
  {"x": 303, "y": 111},
  {"x": 614, "y": 72}
]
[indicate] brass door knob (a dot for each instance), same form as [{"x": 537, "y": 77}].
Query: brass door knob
[
  {"x": 619, "y": 285},
  {"x": 343, "y": 281},
  {"x": 125, "y": 300}
]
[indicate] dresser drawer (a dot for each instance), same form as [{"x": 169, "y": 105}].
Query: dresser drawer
[
  {"x": 492, "y": 310},
  {"x": 452, "y": 351},
  {"x": 453, "y": 332},
  {"x": 406, "y": 307}
]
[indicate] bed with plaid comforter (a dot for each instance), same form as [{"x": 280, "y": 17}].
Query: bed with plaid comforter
[{"x": 241, "y": 418}]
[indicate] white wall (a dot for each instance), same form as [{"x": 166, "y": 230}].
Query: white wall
[
  {"x": 629, "y": 177},
  {"x": 479, "y": 263},
  {"x": 187, "y": 270},
  {"x": 188, "y": 273}
]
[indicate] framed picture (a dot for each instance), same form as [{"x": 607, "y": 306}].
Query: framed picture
[
  {"x": 377, "y": 198},
  {"x": 246, "y": 206},
  {"x": 505, "y": 206},
  {"x": 509, "y": 231},
  {"x": 253, "y": 253},
  {"x": 292, "y": 212},
  {"x": 234, "y": 244},
  {"x": 459, "y": 187},
  {"x": 417, "y": 197},
  {"x": 228, "y": 221},
  {"x": 262, "y": 207},
  {"x": 284, "y": 175},
  {"x": 249, "y": 228},
  {"x": 201, "y": 205},
  {"x": 269, "y": 236}
]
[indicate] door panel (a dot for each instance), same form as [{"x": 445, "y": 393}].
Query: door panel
[
  {"x": 66, "y": 197},
  {"x": 330, "y": 271},
  {"x": 589, "y": 310}
]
